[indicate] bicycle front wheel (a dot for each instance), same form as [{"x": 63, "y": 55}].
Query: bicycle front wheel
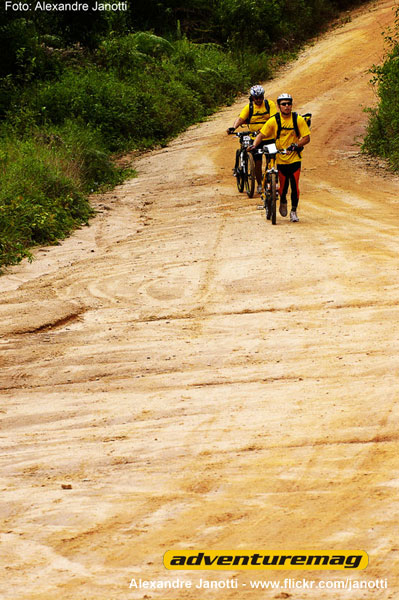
[
  {"x": 273, "y": 197},
  {"x": 250, "y": 176},
  {"x": 239, "y": 173}
]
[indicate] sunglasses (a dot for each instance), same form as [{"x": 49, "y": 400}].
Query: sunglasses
[{"x": 285, "y": 103}]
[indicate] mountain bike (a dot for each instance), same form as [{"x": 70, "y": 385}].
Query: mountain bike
[
  {"x": 244, "y": 169},
  {"x": 269, "y": 193}
]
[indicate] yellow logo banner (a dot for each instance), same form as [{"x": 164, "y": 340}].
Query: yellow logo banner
[{"x": 257, "y": 560}]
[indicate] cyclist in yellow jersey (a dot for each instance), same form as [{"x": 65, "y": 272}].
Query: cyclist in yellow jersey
[
  {"x": 288, "y": 165},
  {"x": 255, "y": 114}
]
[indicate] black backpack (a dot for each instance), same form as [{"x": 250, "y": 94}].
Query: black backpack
[
  {"x": 306, "y": 116},
  {"x": 251, "y": 109}
]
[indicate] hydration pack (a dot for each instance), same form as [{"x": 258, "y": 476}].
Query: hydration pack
[
  {"x": 306, "y": 116},
  {"x": 251, "y": 109}
]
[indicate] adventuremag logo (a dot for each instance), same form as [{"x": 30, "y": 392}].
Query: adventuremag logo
[{"x": 206, "y": 560}]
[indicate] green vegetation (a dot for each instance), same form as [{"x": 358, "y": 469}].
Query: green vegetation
[
  {"x": 78, "y": 88},
  {"x": 382, "y": 138}
]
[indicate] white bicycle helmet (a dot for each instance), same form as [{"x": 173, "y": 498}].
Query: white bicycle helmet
[
  {"x": 284, "y": 97},
  {"x": 257, "y": 91}
]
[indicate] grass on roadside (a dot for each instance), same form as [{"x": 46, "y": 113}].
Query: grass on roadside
[{"x": 44, "y": 183}]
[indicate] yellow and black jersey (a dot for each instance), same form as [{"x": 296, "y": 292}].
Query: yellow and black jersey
[
  {"x": 287, "y": 136},
  {"x": 260, "y": 114}
]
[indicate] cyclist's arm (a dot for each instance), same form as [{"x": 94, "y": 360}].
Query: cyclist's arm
[
  {"x": 261, "y": 136},
  {"x": 303, "y": 141},
  {"x": 304, "y": 133},
  {"x": 267, "y": 132},
  {"x": 273, "y": 109},
  {"x": 239, "y": 121},
  {"x": 242, "y": 118}
]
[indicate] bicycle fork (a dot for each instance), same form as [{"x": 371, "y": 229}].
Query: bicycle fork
[
  {"x": 266, "y": 184},
  {"x": 242, "y": 162}
]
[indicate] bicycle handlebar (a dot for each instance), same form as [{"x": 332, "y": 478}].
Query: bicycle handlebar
[
  {"x": 265, "y": 150},
  {"x": 240, "y": 134},
  {"x": 274, "y": 150}
]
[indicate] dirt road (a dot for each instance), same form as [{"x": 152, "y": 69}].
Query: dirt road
[{"x": 182, "y": 374}]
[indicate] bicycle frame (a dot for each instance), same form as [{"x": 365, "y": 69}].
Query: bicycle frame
[
  {"x": 246, "y": 139},
  {"x": 245, "y": 167},
  {"x": 269, "y": 182}
]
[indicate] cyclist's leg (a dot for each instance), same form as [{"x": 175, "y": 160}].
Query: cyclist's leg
[
  {"x": 295, "y": 173},
  {"x": 258, "y": 166},
  {"x": 284, "y": 183}
]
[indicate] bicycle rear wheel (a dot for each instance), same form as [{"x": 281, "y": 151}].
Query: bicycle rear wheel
[
  {"x": 250, "y": 175},
  {"x": 239, "y": 173}
]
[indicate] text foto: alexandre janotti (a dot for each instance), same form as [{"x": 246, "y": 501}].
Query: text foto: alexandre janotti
[{"x": 66, "y": 6}]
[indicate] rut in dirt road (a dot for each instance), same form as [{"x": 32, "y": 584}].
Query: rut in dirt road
[{"x": 202, "y": 379}]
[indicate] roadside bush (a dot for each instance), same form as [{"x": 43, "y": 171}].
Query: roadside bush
[
  {"x": 382, "y": 137},
  {"x": 90, "y": 96},
  {"x": 19, "y": 47},
  {"x": 41, "y": 196},
  {"x": 261, "y": 25},
  {"x": 147, "y": 103},
  {"x": 121, "y": 55},
  {"x": 82, "y": 150},
  {"x": 209, "y": 71},
  {"x": 258, "y": 67},
  {"x": 24, "y": 56}
]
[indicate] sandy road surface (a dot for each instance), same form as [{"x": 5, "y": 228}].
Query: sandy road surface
[{"x": 205, "y": 380}]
